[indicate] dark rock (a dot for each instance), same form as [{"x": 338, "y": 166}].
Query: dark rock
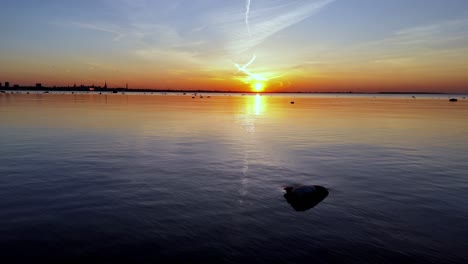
[{"x": 304, "y": 198}]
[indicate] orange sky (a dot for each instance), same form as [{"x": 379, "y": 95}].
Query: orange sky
[{"x": 303, "y": 45}]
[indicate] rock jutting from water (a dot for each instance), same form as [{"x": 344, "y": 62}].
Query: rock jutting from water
[{"x": 303, "y": 198}]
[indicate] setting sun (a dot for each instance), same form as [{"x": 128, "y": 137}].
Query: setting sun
[{"x": 258, "y": 87}]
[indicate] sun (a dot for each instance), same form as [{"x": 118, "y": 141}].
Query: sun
[{"x": 258, "y": 87}]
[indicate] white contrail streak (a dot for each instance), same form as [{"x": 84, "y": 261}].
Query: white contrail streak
[
  {"x": 254, "y": 57},
  {"x": 247, "y": 13},
  {"x": 243, "y": 68},
  {"x": 266, "y": 21}
]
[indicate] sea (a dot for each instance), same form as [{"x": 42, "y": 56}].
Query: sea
[{"x": 200, "y": 178}]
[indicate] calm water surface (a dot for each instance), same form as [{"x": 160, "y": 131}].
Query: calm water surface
[{"x": 140, "y": 179}]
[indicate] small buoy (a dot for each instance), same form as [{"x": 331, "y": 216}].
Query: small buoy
[{"x": 292, "y": 102}]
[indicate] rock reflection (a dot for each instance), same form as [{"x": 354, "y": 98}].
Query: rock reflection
[{"x": 304, "y": 198}]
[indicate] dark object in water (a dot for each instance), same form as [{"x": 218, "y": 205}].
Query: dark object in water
[
  {"x": 114, "y": 91},
  {"x": 414, "y": 97},
  {"x": 304, "y": 198},
  {"x": 453, "y": 100},
  {"x": 292, "y": 102}
]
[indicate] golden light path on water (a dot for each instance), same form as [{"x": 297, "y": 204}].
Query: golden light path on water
[
  {"x": 258, "y": 104},
  {"x": 255, "y": 107}
]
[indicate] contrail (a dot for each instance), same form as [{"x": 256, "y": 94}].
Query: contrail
[
  {"x": 254, "y": 57},
  {"x": 243, "y": 68},
  {"x": 247, "y": 13}
]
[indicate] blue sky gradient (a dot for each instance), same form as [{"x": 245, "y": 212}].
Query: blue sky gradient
[{"x": 309, "y": 45}]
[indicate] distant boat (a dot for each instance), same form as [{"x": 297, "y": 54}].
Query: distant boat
[{"x": 453, "y": 100}]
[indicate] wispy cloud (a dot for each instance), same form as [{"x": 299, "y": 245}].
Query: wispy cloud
[
  {"x": 267, "y": 19},
  {"x": 444, "y": 35},
  {"x": 111, "y": 29},
  {"x": 429, "y": 48}
]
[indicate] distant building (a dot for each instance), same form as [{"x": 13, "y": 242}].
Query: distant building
[
  {"x": 38, "y": 85},
  {"x": 7, "y": 85},
  {"x": 0, "y": 84},
  {"x": 105, "y": 85},
  {"x": 16, "y": 86}
]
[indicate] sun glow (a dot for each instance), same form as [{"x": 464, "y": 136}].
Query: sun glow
[{"x": 258, "y": 87}]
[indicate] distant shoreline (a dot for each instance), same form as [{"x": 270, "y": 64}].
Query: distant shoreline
[{"x": 114, "y": 90}]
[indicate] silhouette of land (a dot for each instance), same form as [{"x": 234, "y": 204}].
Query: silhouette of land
[{"x": 105, "y": 88}]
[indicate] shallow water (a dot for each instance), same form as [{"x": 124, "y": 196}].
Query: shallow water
[{"x": 135, "y": 178}]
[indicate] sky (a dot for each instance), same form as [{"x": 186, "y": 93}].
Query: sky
[{"x": 238, "y": 45}]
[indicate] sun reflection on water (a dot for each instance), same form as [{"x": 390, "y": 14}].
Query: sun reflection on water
[{"x": 258, "y": 104}]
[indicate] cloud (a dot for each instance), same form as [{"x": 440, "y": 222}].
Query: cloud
[
  {"x": 267, "y": 19},
  {"x": 101, "y": 27},
  {"x": 444, "y": 35}
]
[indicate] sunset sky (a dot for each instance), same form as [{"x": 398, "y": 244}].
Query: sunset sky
[{"x": 294, "y": 45}]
